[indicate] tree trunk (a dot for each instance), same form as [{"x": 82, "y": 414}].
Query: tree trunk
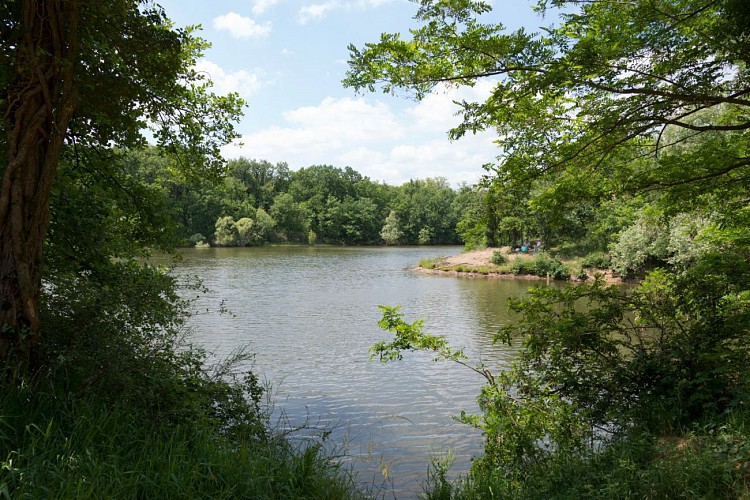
[{"x": 39, "y": 106}]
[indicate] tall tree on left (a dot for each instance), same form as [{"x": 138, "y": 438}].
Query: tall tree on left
[{"x": 81, "y": 75}]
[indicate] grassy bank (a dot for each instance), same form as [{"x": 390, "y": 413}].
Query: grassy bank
[
  {"x": 123, "y": 406},
  {"x": 56, "y": 445}
]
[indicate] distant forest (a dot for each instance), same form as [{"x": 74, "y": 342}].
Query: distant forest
[{"x": 258, "y": 202}]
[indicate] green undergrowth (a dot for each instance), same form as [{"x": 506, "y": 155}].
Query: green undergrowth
[
  {"x": 58, "y": 446},
  {"x": 541, "y": 265},
  {"x": 435, "y": 263},
  {"x": 123, "y": 406},
  {"x": 616, "y": 392},
  {"x": 440, "y": 264},
  {"x": 710, "y": 461}
]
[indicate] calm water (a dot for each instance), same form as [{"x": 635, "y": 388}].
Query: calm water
[{"x": 310, "y": 314}]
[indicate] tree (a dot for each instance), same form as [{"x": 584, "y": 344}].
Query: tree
[
  {"x": 291, "y": 220},
  {"x": 244, "y": 228},
  {"x": 261, "y": 179},
  {"x": 391, "y": 232},
  {"x": 226, "y": 234},
  {"x": 262, "y": 227},
  {"x": 56, "y": 58},
  {"x": 425, "y": 205},
  {"x": 644, "y": 98},
  {"x": 589, "y": 101}
]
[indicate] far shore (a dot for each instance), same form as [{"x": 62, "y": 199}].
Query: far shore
[{"x": 478, "y": 264}]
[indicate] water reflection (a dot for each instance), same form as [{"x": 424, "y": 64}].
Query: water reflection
[{"x": 311, "y": 314}]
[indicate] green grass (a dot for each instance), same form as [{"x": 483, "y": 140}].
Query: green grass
[
  {"x": 61, "y": 447},
  {"x": 464, "y": 268},
  {"x": 431, "y": 263},
  {"x": 439, "y": 263}
]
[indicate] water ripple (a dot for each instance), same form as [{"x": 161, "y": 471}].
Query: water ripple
[{"x": 310, "y": 315}]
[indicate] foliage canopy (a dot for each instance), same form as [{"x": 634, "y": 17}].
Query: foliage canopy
[
  {"x": 76, "y": 80},
  {"x": 591, "y": 101},
  {"x": 633, "y": 117}
]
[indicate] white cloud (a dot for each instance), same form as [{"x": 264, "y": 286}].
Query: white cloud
[
  {"x": 438, "y": 110},
  {"x": 261, "y": 6},
  {"x": 459, "y": 161},
  {"x": 246, "y": 84},
  {"x": 317, "y": 11},
  {"x": 241, "y": 27},
  {"x": 372, "y": 3},
  {"x": 370, "y": 137},
  {"x": 350, "y": 119}
]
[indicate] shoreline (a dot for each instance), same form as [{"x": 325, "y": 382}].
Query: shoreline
[{"x": 477, "y": 264}]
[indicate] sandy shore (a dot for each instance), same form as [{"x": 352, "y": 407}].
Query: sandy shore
[{"x": 480, "y": 259}]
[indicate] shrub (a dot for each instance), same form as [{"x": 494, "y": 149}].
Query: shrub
[
  {"x": 391, "y": 231},
  {"x": 196, "y": 238},
  {"x": 657, "y": 241},
  {"x": 498, "y": 258},
  {"x": 431, "y": 263},
  {"x": 226, "y": 232},
  {"x": 425, "y": 235},
  {"x": 543, "y": 265},
  {"x": 598, "y": 260}
]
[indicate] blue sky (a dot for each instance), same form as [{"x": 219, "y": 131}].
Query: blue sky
[{"x": 287, "y": 58}]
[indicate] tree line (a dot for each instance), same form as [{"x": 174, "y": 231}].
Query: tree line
[{"x": 258, "y": 202}]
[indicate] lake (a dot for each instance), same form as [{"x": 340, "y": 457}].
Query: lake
[{"x": 310, "y": 314}]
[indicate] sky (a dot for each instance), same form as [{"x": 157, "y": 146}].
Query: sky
[{"x": 286, "y": 59}]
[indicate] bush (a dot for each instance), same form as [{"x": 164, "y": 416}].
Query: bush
[
  {"x": 542, "y": 265},
  {"x": 226, "y": 232},
  {"x": 498, "y": 258},
  {"x": 710, "y": 462},
  {"x": 598, "y": 260},
  {"x": 658, "y": 241},
  {"x": 431, "y": 263},
  {"x": 196, "y": 238},
  {"x": 122, "y": 341}
]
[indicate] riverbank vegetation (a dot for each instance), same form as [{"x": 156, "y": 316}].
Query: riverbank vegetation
[
  {"x": 102, "y": 394},
  {"x": 504, "y": 262},
  {"x": 624, "y": 142},
  {"x": 625, "y": 128}
]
